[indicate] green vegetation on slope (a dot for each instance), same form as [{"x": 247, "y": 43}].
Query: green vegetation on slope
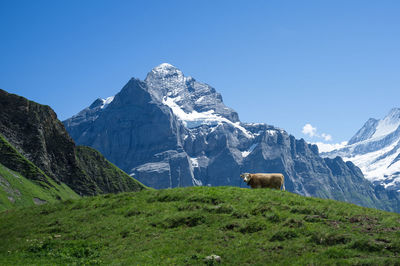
[
  {"x": 25, "y": 183},
  {"x": 14, "y": 160},
  {"x": 183, "y": 226},
  {"x": 106, "y": 177},
  {"x": 17, "y": 191}
]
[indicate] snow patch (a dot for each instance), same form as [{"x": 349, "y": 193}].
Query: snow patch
[
  {"x": 250, "y": 150},
  {"x": 200, "y": 99},
  {"x": 107, "y": 101},
  {"x": 194, "y": 162},
  {"x": 195, "y": 119}
]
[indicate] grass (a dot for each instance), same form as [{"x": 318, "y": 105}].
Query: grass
[
  {"x": 17, "y": 191},
  {"x": 182, "y": 226}
]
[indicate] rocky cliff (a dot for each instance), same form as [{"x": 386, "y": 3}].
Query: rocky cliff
[
  {"x": 171, "y": 130},
  {"x": 34, "y": 131}
]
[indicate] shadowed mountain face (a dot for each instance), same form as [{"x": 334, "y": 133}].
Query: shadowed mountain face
[
  {"x": 35, "y": 133},
  {"x": 171, "y": 130}
]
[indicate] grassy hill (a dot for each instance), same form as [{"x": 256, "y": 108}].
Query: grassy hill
[{"x": 183, "y": 226}]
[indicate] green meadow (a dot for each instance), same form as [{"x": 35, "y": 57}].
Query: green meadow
[{"x": 182, "y": 226}]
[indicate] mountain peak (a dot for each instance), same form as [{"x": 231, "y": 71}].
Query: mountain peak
[{"x": 166, "y": 70}]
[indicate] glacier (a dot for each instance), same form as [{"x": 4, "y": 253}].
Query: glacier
[{"x": 375, "y": 148}]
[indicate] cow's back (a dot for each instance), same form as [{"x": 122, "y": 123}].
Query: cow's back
[{"x": 271, "y": 180}]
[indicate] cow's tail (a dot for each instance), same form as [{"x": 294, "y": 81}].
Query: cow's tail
[{"x": 283, "y": 183}]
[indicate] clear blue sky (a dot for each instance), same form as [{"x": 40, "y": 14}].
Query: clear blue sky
[{"x": 332, "y": 64}]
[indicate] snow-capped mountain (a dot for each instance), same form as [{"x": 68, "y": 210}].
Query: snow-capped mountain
[
  {"x": 171, "y": 130},
  {"x": 375, "y": 148},
  {"x": 193, "y": 102}
]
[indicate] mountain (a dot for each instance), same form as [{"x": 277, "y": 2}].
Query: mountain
[
  {"x": 375, "y": 148},
  {"x": 182, "y": 226},
  {"x": 35, "y": 145},
  {"x": 171, "y": 130}
]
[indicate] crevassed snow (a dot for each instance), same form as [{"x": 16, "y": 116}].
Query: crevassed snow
[
  {"x": 250, "y": 150},
  {"x": 374, "y": 169},
  {"x": 107, "y": 101},
  {"x": 194, "y": 118}
]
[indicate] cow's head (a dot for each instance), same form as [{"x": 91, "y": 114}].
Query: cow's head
[{"x": 246, "y": 177}]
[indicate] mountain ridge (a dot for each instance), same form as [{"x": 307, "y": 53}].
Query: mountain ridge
[{"x": 156, "y": 130}]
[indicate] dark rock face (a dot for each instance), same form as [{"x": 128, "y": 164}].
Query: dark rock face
[
  {"x": 37, "y": 134},
  {"x": 171, "y": 130}
]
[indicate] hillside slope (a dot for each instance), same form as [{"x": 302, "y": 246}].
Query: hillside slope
[
  {"x": 106, "y": 176},
  {"x": 18, "y": 191},
  {"x": 183, "y": 226},
  {"x": 22, "y": 183},
  {"x": 33, "y": 131}
]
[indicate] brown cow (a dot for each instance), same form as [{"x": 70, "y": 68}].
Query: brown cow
[{"x": 261, "y": 180}]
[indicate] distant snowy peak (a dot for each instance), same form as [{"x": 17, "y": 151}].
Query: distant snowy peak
[
  {"x": 376, "y": 129},
  {"x": 375, "y": 148},
  {"x": 366, "y": 132},
  {"x": 389, "y": 124}
]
